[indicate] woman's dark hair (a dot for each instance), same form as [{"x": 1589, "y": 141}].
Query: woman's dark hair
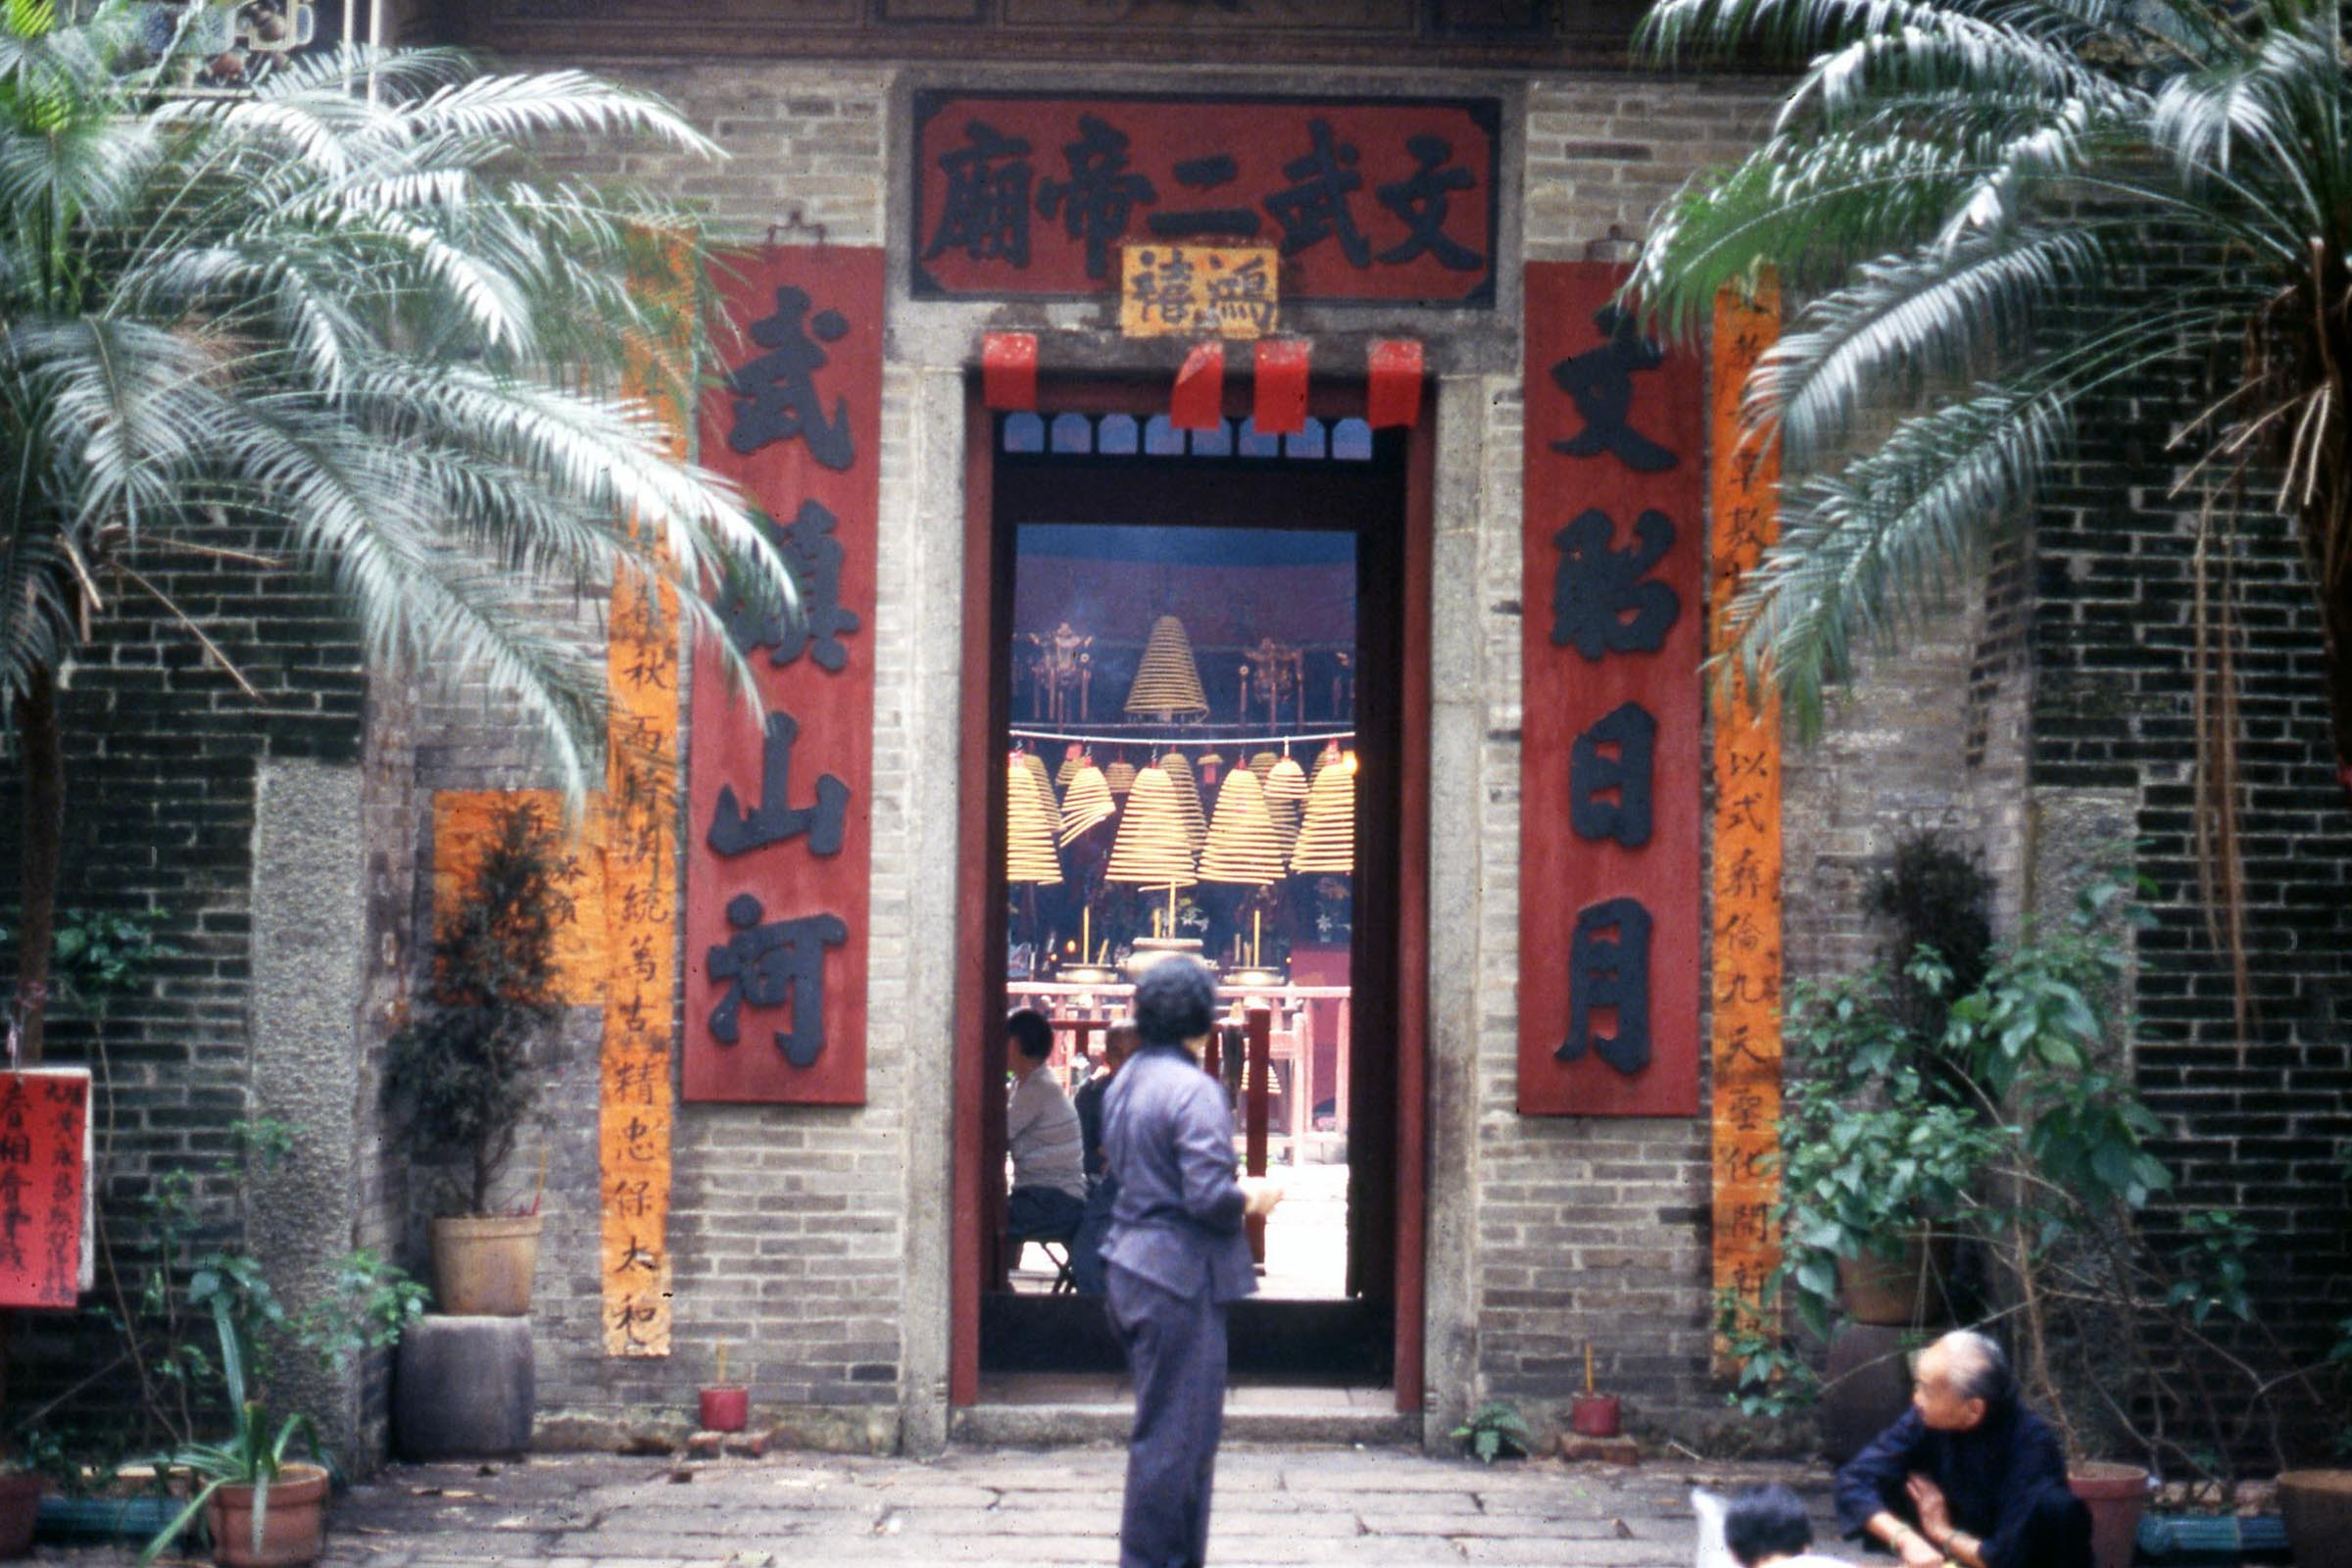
[
  {"x": 1175, "y": 1000},
  {"x": 1766, "y": 1522},
  {"x": 1031, "y": 1033}
]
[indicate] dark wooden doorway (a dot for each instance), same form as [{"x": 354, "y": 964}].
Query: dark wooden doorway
[{"x": 1384, "y": 502}]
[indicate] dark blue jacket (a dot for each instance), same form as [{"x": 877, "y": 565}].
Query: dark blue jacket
[
  {"x": 1167, "y": 1140},
  {"x": 1991, "y": 1476}
]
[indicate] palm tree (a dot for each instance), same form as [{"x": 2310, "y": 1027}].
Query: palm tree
[
  {"x": 1967, "y": 189},
  {"x": 347, "y": 307}
]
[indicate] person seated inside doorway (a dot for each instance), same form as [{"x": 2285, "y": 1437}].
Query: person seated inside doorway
[
  {"x": 1040, "y": 1129},
  {"x": 1102, "y": 1187},
  {"x": 1968, "y": 1475}
]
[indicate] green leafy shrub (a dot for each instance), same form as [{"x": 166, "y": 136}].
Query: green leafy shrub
[
  {"x": 460, "y": 1072},
  {"x": 1495, "y": 1431}
]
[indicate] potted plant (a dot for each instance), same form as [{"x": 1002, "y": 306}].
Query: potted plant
[
  {"x": 260, "y": 1508},
  {"x": 459, "y": 1072}
]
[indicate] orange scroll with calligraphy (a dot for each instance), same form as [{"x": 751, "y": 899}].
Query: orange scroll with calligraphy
[
  {"x": 634, "y": 1106},
  {"x": 1745, "y": 1033},
  {"x": 464, "y": 823}
]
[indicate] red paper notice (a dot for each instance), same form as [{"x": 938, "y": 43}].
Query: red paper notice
[{"x": 44, "y": 1170}]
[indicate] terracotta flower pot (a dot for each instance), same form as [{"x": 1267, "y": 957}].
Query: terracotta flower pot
[
  {"x": 1893, "y": 1292},
  {"x": 1593, "y": 1415},
  {"x": 2116, "y": 1495},
  {"x": 482, "y": 1267},
  {"x": 291, "y": 1533},
  {"x": 20, "y": 1501},
  {"x": 2318, "y": 1505}
]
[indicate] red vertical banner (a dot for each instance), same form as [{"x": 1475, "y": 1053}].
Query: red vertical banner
[
  {"x": 44, "y": 1182},
  {"x": 1613, "y": 546},
  {"x": 781, "y": 832}
]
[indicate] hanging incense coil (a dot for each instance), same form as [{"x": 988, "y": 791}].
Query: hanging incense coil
[
  {"x": 1166, "y": 678},
  {"x": 1188, "y": 797},
  {"x": 1086, "y": 805},
  {"x": 1286, "y": 798},
  {"x": 1073, "y": 758},
  {"x": 1152, "y": 849},
  {"x": 1034, "y": 766},
  {"x": 1263, "y": 763},
  {"x": 1120, "y": 776},
  {"x": 1029, "y": 854},
  {"x": 1242, "y": 847},
  {"x": 1327, "y": 830}
]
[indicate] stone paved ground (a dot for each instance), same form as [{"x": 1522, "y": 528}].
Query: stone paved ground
[{"x": 1291, "y": 1507}]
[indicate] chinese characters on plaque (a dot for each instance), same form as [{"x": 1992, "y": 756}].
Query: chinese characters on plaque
[
  {"x": 1197, "y": 291},
  {"x": 1610, "y": 732},
  {"x": 44, "y": 1185},
  {"x": 779, "y": 805},
  {"x": 1746, "y": 1023},
  {"x": 1355, "y": 199}
]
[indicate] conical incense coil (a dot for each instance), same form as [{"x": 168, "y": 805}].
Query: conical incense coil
[
  {"x": 1242, "y": 847},
  {"x": 1286, "y": 798},
  {"x": 1166, "y": 679},
  {"x": 1071, "y": 761},
  {"x": 1120, "y": 776},
  {"x": 1188, "y": 797},
  {"x": 1327, "y": 830},
  {"x": 1087, "y": 804},
  {"x": 1152, "y": 850},
  {"x": 1029, "y": 854},
  {"x": 1263, "y": 763},
  {"x": 1035, "y": 767}
]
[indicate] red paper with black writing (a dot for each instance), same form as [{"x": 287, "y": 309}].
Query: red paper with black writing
[
  {"x": 1611, "y": 763},
  {"x": 779, "y": 839},
  {"x": 45, "y": 1120}
]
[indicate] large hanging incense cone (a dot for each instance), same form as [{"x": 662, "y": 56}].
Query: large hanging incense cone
[
  {"x": 1152, "y": 849},
  {"x": 1034, "y": 766},
  {"x": 1087, "y": 804},
  {"x": 1188, "y": 797},
  {"x": 1242, "y": 847},
  {"x": 1120, "y": 776},
  {"x": 1029, "y": 854},
  {"x": 1286, "y": 798},
  {"x": 1166, "y": 679},
  {"x": 1327, "y": 831}
]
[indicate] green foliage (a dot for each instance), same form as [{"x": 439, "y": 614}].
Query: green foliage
[
  {"x": 254, "y": 1454},
  {"x": 351, "y": 309},
  {"x": 1937, "y": 898},
  {"x": 96, "y": 957},
  {"x": 1872, "y": 1151},
  {"x": 1771, "y": 1379},
  {"x": 460, "y": 1072},
  {"x": 1495, "y": 1431},
  {"x": 1968, "y": 190}
]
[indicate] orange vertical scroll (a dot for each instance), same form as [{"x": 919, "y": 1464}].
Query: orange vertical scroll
[
  {"x": 1745, "y": 1032},
  {"x": 635, "y": 1104}
]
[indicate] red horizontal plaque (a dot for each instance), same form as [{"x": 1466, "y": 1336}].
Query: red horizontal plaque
[
  {"x": 1382, "y": 201},
  {"x": 780, "y": 836},
  {"x": 1610, "y": 765}
]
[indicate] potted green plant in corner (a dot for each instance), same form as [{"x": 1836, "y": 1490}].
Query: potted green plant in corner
[
  {"x": 459, "y": 1073},
  {"x": 261, "y": 1508}
]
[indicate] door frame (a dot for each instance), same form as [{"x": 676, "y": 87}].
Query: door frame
[{"x": 983, "y": 714}]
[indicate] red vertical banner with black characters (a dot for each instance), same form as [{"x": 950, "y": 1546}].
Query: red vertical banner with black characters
[
  {"x": 780, "y": 833},
  {"x": 44, "y": 1183},
  {"x": 1614, "y": 545}
]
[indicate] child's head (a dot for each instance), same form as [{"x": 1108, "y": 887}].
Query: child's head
[{"x": 1766, "y": 1522}]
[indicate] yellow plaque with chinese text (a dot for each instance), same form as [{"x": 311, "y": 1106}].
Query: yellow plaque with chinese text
[{"x": 1198, "y": 291}]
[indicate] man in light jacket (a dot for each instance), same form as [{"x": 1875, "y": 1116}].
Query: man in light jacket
[{"x": 1177, "y": 1258}]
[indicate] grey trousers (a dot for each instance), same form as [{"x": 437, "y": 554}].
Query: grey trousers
[{"x": 1176, "y": 1353}]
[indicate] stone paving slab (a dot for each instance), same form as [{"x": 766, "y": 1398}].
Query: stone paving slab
[{"x": 1280, "y": 1507}]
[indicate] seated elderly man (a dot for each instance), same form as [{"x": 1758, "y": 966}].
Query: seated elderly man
[{"x": 1968, "y": 1474}]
